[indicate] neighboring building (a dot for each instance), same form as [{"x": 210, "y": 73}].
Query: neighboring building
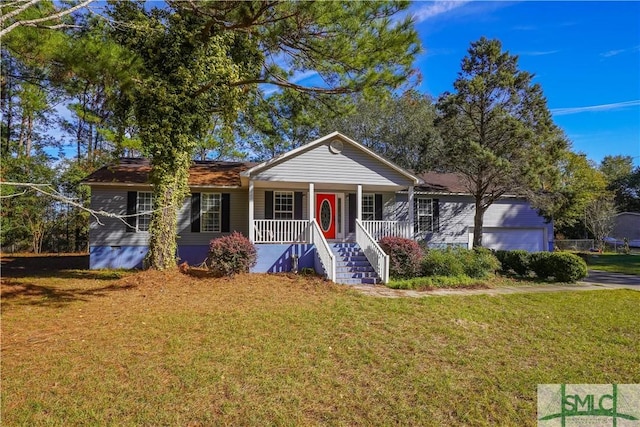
[
  {"x": 326, "y": 203},
  {"x": 627, "y": 225}
]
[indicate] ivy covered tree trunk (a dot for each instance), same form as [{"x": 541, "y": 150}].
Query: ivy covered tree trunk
[{"x": 169, "y": 176}]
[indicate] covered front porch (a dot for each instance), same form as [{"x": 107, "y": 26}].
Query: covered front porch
[
  {"x": 285, "y": 214},
  {"x": 324, "y": 215}
]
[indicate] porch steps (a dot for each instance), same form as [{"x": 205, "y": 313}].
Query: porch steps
[{"x": 352, "y": 266}]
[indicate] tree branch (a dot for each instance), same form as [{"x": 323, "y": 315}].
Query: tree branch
[
  {"x": 17, "y": 11},
  {"x": 48, "y": 190},
  {"x": 38, "y": 21}
]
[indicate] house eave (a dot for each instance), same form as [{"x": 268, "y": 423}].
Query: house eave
[
  {"x": 450, "y": 193},
  {"x": 146, "y": 184}
]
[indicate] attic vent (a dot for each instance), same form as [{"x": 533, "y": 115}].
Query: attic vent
[{"x": 336, "y": 146}]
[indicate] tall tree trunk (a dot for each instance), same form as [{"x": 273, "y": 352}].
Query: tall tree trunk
[
  {"x": 170, "y": 187},
  {"x": 478, "y": 221},
  {"x": 27, "y": 147},
  {"x": 21, "y": 136}
]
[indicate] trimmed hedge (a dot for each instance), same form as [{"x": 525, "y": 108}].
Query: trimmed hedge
[
  {"x": 516, "y": 261},
  {"x": 562, "y": 266},
  {"x": 568, "y": 267},
  {"x": 540, "y": 263},
  {"x": 231, "y": 255},
  {"x": 404, "y": 256}
]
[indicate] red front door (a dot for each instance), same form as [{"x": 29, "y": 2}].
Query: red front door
[{"x": 326, "y": 214}]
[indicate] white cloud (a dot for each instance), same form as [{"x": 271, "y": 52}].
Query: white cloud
[
  {"x": 539, "y": 53},
  {"x": 436, "y": 8},
  {"x": 612, "y": 53},
  {"x": 601, "y": 107},
  {"x": 300, "y": 76},
  {"x": 615, "y": 52}
]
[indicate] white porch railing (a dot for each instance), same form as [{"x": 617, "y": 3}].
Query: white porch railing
[
  {"x": 374, "y": 253},
  {"x": 326, "y": 256},
  {"x": 280, "y": 231},
  {"x": 380, "y": 229}
]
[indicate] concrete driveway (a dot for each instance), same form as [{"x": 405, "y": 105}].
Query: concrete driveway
[{"x": 616, "y": 280}]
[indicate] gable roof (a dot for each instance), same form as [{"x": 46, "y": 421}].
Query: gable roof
[
  {"x": 334, "y": 135},
  {"x": 201, "y": 173}
]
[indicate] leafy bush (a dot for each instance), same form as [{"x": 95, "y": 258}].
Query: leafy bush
[
  {"x": 404, "y": 256},
  {"x": 231, "y": 254},
  {"x": 562, "y": 266},
  {"x": 501, "y": 255},
  {"x": 568, "y": 267},
  {"x": 516, "y": 261},
  {"x": 540, "y": 264},
  {"x": 479, "y": 263},
  {"x": 439, "y": 262}
]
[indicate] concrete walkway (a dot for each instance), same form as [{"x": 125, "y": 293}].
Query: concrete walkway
[{"x": 597, "y": 280}]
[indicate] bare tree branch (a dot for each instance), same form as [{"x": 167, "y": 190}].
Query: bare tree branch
[
  {"x": 37, "y": 22},
  {"x": 48, "y": 190},
  {"x": 19, "y": 10}
]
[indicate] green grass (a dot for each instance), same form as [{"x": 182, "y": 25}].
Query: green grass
[
  {"x": 167, "y": 349},
  {"x": 615, "y": 263}
]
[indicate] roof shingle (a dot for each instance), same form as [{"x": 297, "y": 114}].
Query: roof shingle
[{"x": 201, "y": 173}]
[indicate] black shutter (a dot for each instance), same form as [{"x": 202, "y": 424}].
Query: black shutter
[
  {"x": 353, "y": 210},
  {"x": 226, "y": 212},
  {"x": 416, "y": 221},
  {"x": 195, "y": 212},
  {"x": 378, "y": 203},
  {"x": 132, "y": 202},
  {"x": 436, "y": 215},
  {"x": 297, "y": 205},
  {"x": 268, "y": 205}
]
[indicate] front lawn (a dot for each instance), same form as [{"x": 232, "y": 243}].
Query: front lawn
[
  {"x": 615, "y": 263},
  {"x": 168, "y": 349}
]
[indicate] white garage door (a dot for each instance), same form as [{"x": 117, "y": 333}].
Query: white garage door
[{"x": 529, "y": 239}]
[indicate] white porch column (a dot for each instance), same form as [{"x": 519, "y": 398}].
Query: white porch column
[
  {"x": 411, "y": 213},
  {"x": 252, "y": 237},
  {"x": 359, "y": 203},
  {"x": 312, "y": 199}
]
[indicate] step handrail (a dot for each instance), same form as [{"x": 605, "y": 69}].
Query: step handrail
[
  {"x": 325, "y": 254},
  {"x": 378, "y": 259}
]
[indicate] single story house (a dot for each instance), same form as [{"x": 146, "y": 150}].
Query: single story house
[
  {"x": 324, "y": 205},
  {"x": 627, "y": 225}
]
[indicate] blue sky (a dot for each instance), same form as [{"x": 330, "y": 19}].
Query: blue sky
[{"x": 585, "y": 55}]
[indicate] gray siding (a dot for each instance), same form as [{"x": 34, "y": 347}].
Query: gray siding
[
  {"x": 258, "y": 201},
  {"x": 239, "y": 217},
  {"x": 456, "y": 216},
  {"x": 319, "y": 164},
  {"x": 113, "y": 232}
]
